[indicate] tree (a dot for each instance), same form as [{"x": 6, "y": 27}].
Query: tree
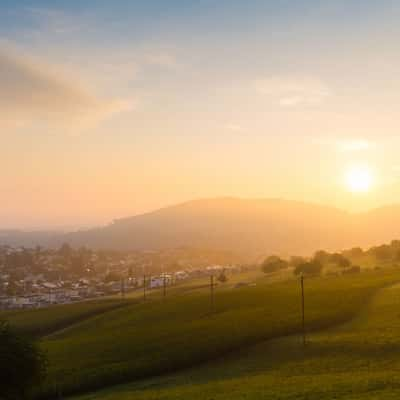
[
  {"x": 321, "y": 256},
  {"x": 340, "y": 260},
  {"x": 77, "y": 265},
  {"x": 222, "y": 277},
  {"x": 382, "y": 253},
  {"x": 273, "y": 264},
  {"x": 355, "y": 269},
  {"x": 296, "y": 261},
  {"x": 395, "y": 244},
  {"x": 65, "y": 251},
  {"x": 311, "y": 268},
  {"x": 112, "y": 277},
  {"x": 13, "y": 261},
  {"x": 13, "y": 288},
  {"x": 23, "y": 365},
  {"x": 355, "y": 252},
  {"x": 27, "y": 258}
]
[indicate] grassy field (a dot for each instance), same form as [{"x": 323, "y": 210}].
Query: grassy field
[
  {"x": 246, "y": 345},
  {"x": 44, "y": 321},
  {"x": 357, "y": 360},
  {"x": 140, "y": 341},
  {"x": 203, "y": 282}
]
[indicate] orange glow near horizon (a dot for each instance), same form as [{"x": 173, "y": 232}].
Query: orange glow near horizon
[{"x": 97, "y": 124}]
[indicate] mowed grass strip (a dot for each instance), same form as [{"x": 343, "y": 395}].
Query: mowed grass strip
[
  {"x": 359, "y": 360},
  {"x": 146, "y": 340},
  {"x": 45, "y": 321}
]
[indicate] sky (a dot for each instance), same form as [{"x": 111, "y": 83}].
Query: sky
[{"x": 110, "y": 109}]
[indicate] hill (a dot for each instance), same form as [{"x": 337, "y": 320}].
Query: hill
[
  {"x": 138, "y": 341},
  {"x": 14, "y": 237},
  {"x": 249, "y": 226},
  {"x": 246, "y": 225},
  {"x": 224, "y": 223},
  {"x": 358, "y": 361}
]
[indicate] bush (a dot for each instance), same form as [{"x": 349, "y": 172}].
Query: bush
[
  {"x": 23, "y": 365},
  {"x": 295, "y": 261},
  {"x": 340, "y": 260},
  {"x": 311, "y": 268},
  {"x": 273, "y": 264},
  {"x": 222, "y": 277},
  {"x": 355, "y": 269}
]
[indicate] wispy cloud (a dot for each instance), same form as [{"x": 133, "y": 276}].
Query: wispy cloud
[
  {"x": 346, "y": 144},
  {"x": 130, "y": 64},
  {"x": 293, "y": 91},
  {"x": 233, "y": 127},
  {"x": 33, "y": 92},
  {"x": 161, "y": 58},
  {"x": 354, "y": 145}
]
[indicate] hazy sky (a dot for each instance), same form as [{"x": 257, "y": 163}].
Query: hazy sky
[{"x": 111, "y": 108}]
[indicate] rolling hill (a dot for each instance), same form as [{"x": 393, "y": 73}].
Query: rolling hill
[
  {"x": 358, "y": 360},
  {"x": 242, "y": 225},
  {"x": 99, "y": 344}
]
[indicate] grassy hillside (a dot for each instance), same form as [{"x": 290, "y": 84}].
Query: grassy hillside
[
  {"x": 45, "y": 321},
  {"x": 143, "y": 340},
  {"x": 358, "y": 360}
]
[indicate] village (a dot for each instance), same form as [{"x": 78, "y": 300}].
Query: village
[{"x": 35, "y": 278}]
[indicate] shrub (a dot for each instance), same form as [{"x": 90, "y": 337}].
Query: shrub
[
  {"x": 273, "y": 264},
  {"x": 339, "y": 260},
  {"x": 311, "y": 268},
  {"x": 23, "y": 365},
  {"x": 355, "y": 269},
  {"x": 222, "y": 277}
]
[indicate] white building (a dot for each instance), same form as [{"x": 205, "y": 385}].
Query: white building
[{"x": 158, "y": 281}]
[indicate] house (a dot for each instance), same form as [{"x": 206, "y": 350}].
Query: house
[
  {"x": 181, "y": 275},
  {"x": 159, "y": 281}
]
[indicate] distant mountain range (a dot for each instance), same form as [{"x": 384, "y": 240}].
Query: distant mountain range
[{"x": 251, "y": 226}]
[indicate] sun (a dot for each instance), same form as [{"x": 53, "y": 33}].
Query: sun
[{"x": 359, "y": 179}]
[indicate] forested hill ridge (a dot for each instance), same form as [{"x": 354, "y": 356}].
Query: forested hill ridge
[{"x": 243, "y": 225}]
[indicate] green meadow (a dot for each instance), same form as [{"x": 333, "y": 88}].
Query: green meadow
[
  {"x": 44, "y": 321},
  {"x": 248, "y": 344},
  {"x": 356, "y": 360}
]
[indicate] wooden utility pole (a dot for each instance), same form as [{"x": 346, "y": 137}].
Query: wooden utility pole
[
  {"x": 302, "y": 310},
  {"x": 164, "y": 281},
  {"x": 122, "y": 288},
  {"x": 212, "y": 292}
]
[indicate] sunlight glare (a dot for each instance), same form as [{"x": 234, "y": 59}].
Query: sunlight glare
[{"x": 359, "y": 178}]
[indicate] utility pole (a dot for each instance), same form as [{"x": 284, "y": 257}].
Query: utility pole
[
  {"x": 122, "y": 288},
  {"x": 212, "y": 292},
  {"x": 302, "y": 310},
  {"x": 144, "y": 281},
  {"x": 164, "y": 281}
]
